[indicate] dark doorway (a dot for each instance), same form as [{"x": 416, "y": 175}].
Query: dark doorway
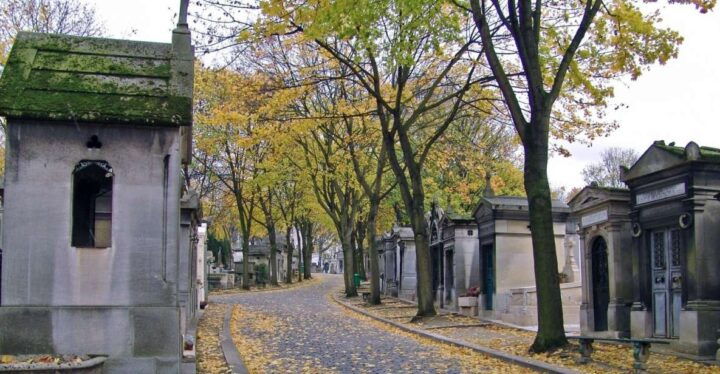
[
  {"x": 436, "y": 264},
  {"x": 488, "y": 274},
  {"x": 449, "y": 275},
  {"x": 600, "y": 283},
  {"x": 401, "y": 263}
]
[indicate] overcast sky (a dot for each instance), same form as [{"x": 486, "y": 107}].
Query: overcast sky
[{"x": 676, "y": 102}]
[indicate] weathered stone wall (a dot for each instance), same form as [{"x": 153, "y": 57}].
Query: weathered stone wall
[
  {"x": 409, "y": 273},
  {"x": 121, "y": 300},
  {"x": 513, "y": 251}
]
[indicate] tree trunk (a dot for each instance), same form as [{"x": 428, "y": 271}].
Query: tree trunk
[
  {"x": 301, "y": 251},
  {"x": 273, "y": 254},
  {"x": 288, "y": 277},
  {"x": 373, "y": 253},
  {"x": 348, "y": 267},
  {"x": 357, "y": 241},
  {"x": 308, "y": 239},
  {"x": 246, "y": 262},
  {"x": 423, "y": 263},
  {"x": 551, "y": 331}
]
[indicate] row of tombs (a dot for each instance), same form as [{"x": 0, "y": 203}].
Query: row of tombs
[
  {"x": 103, "y": 244},
  {"x": 648, "y": 255}
]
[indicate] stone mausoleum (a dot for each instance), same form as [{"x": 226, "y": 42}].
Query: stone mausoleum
[
  {"x": 454, "y": 255},
  {"x": 605, "y": 242},
  {"x": 98, "y": 253},
  {"x": 650, "y": 252},
  {"x": 675, "y": 216},
  {"x": 507, "y": 272},
  {"x": 398, "y": 263}
]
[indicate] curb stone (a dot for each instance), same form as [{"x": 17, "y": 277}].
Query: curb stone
[
  {"x": 232, "y": 356},
  {"x": 529, "y": 363}
]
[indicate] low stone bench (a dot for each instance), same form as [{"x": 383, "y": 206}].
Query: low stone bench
[
  {"x": 364, "y": 290},
  {"x": 641, "y": 349}
]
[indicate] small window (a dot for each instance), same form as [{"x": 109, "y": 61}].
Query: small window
[
  {"x": 470, "y": 233},
  {"x": 92, "y": 204}
]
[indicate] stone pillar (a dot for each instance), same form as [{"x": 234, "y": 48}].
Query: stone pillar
[
  {"x": 641, "y": 323},
  {"x": 586, "y": 312},
  {"x": 620, "y": 277},
  {"x": 700, "y": 317},
  {"x": 571, "y": 269}
]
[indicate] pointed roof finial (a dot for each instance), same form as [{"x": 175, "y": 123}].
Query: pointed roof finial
[
  {"x": 181, "y": 40},
  {"x": 488, "y": 192},
  {"x": 182, "y": 17}
]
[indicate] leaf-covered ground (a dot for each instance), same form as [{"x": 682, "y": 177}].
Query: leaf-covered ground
[
  {"x": 209, "y": 355},
  {"x": 607, "y": 358},
  {"x": 280, "y": 287},
  {"x": 303, "y": 331}
]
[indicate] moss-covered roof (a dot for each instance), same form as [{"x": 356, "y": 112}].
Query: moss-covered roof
[
  {"x": 70, "y": 78},
  {"x": 706, "y": 153}
]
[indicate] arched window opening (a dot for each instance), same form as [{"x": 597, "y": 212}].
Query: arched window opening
[{"x": 92, "y": 204}]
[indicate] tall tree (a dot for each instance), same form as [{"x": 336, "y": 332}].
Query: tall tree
[
  {"x": 369, "y": 166},
  {"x": 538, "y": 53},
  {"x": 265, "y": 202},
  {"x": 607, "y": 172},
  {"x": 228, "y": 108},
  {"x": 71, "y": 17},
  {"x": 413, "y": 70}
]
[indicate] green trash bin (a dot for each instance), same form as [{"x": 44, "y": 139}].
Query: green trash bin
[{"x": 356, "y": 280}]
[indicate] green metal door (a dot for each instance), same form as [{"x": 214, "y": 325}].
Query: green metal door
[{"x": 488, "y": 264}]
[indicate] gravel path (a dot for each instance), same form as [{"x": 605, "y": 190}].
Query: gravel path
[{"x": 302, "y": 330}]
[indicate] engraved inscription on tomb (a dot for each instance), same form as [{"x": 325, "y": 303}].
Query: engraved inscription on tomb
[
  {"x": 593, "y": 218},
  {"x": 660, "y": 193}
]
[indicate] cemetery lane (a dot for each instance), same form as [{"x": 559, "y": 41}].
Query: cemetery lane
[{"x": 302, "y": 329}]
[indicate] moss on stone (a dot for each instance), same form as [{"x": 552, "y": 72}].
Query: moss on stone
[
  {"x": 706, "y": 153},
  {"x": 59, "y": 77}
]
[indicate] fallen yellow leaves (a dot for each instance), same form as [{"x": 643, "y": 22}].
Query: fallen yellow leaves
[
  {"x": 45, "y": 359},
  {"x": 210, "y": 358},
  {"x": 470, "y": 361},
  {"x": 607, "y": 358},
  {"x": 280, "y": 287},
  {"x": 256, "y": 355}
]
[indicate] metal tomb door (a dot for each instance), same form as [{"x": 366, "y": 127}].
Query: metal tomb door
[
  {"x": 488, "y": 274},
  {"x": 666, "y": 280},
  {"x": 600, "y": 283}
]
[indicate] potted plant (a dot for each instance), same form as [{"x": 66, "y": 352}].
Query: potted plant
[{"x": 470, "y": 298}]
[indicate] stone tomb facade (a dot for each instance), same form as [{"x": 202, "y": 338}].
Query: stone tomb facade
[
  {"x": 95, "y": 259},
  {"x": 675, "y": 216},
  {"x": 387, "y": 252},
  {"x": 455, "y": 256},
  {"x": 507, "y": 276},
  {"x": 606, "y": 244},
  {"x": 398, "y": 262}
]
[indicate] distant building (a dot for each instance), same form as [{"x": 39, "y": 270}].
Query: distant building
[
  {"x": 455, "y": 256},
  {"x": 259, "y": 258},
  {"x": 398, "y": 263}
]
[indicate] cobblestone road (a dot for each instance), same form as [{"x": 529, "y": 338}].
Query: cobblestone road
[{"x": 303, "y": 330}]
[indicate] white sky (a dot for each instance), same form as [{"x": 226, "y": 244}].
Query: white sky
[{"x": 676, "y": 102}]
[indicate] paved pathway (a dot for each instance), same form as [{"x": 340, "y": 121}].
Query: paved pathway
[{"x": 318, "y": 333}]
